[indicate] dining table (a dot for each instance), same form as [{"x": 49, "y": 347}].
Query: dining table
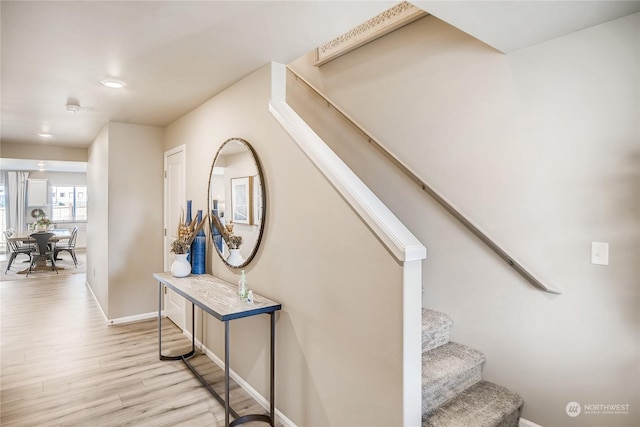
[{"x": 25, "y": 236}]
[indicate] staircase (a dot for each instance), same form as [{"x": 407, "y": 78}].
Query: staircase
[{"x": 453, "y": 392}]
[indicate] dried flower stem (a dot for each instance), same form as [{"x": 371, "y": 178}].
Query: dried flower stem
[
  {"x": 186, "y": 233},
  {"x": 233, "y": 241}
]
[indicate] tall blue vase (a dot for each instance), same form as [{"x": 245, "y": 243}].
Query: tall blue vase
[
  {"x": 187, "y": 222},
  {"x": 199, "y": 250},
  {"x": 215, "y": 233}
]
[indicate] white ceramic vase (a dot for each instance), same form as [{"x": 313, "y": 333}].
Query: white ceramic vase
[
  {"x": 234, "y": 257},
  {"x": 180, "y": 267}
]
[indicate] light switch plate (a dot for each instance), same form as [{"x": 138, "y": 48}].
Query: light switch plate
[{"x": 599, "y": 253}]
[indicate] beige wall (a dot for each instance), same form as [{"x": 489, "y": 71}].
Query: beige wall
[
  {"x": 41, "y": 151},
  {"x": 125, "y": 229},
  {"x": 61, "y": 179},
  {"x": 541, "y": 149},
  {"x": 136, "y": 217},
  {"x": 98, "y": 218},
  {"x": 339, "y": 331}
]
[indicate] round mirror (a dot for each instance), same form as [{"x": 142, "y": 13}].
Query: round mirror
[{"x": 237, "y": 203}]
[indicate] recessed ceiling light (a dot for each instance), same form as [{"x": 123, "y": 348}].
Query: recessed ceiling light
[
  {"x": 113, "y": 84},
  {"x": 44, "y": 134}
]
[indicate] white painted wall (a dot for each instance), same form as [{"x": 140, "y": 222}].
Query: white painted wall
[
  {"x": 541, "y": 148},
  {"x": 339, "y": 334}
]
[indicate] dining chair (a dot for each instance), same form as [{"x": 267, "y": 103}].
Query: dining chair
[
  {"x": 70, "y": 246},
  {"x": 45, "y": 248},
  {"x": 16, "y": 249}
]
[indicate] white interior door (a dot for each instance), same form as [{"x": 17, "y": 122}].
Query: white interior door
[{"x": 174, "y": 199}]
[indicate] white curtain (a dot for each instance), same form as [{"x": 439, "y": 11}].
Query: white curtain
[{"x": 16, "y": 197}]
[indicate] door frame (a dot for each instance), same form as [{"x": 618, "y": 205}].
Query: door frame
[{"x": 166, "y": 243}]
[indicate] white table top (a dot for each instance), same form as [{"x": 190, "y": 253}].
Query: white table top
[{"x": 216, "y": 296}]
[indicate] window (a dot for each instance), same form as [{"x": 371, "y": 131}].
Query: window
[{"x": 69, "y": 203}]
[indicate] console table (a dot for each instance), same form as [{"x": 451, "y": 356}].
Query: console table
[{"x": 220, "y": 299}]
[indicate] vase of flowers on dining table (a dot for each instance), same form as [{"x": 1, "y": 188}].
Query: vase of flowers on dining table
[{"x": 42, "y": 223}]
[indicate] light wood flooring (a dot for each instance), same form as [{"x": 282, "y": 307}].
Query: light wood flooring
[{"x": 62, "y": 366}]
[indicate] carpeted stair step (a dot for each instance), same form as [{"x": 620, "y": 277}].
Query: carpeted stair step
[
  {"x": 448, "y": 370},
  {"x": 482, "y": 405},
  {"x": 435, "y": 329}
]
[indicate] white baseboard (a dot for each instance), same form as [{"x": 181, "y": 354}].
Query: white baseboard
[
  {"x": 86, "y": 283},
  {"x": 133, "y": 319},
  {"x": 527, "y": 423},
  {"x": 121, "y": 320},
  {"x": 286, "y": 422}
]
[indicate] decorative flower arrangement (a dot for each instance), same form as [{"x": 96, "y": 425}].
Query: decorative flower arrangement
[
  {"x": 233, "y": 241},
  {"x": 180, "y": 247},
  {"x": 43, "y": 222},
  {"x": 186, "y": 234}
]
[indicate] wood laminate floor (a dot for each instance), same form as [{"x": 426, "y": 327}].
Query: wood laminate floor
[{"x": 62, "y": 366}]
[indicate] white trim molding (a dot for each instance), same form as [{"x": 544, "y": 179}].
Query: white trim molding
[
  {"x": 104, "y": 315},
  {"x": 396, "y": 237},
  {"x": 132, "y": 319},
  {"x": 262, "y": 401},
  {"x": 398, "y": 16},
  {"x": 527, "y": 423},
  {"x": 121, "y": 320}
]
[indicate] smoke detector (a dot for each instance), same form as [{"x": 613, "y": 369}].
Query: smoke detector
[{"x": 72, "y": 107}]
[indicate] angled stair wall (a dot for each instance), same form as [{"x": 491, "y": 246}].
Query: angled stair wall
[
  {"x": 391, "y": 232},
  {"x": 453, "y": 393}
]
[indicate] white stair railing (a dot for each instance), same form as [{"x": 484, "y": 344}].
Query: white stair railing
[{"x": 404, "y": 246}]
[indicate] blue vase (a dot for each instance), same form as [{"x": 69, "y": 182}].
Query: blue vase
[
  {"x": 187, "y": 222},
  {"x": 215, "y": 233},
  {"x": 199, "y": 250}
]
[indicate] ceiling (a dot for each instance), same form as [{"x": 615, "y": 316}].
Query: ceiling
[
  {"x": 174, "y": 55},
  {"x": 512, "y": 25}
]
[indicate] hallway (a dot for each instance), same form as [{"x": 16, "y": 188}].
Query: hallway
[{"x": 62, "y": 366}]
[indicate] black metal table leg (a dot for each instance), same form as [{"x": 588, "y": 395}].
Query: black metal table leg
[
  {"x": 273, "y": 368},
  {"x": 193, "y": 329},
  {"x": 160, "y": 286},
  {"x": 225, "y": 315},
  {"x": 226, "y": 373}
]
